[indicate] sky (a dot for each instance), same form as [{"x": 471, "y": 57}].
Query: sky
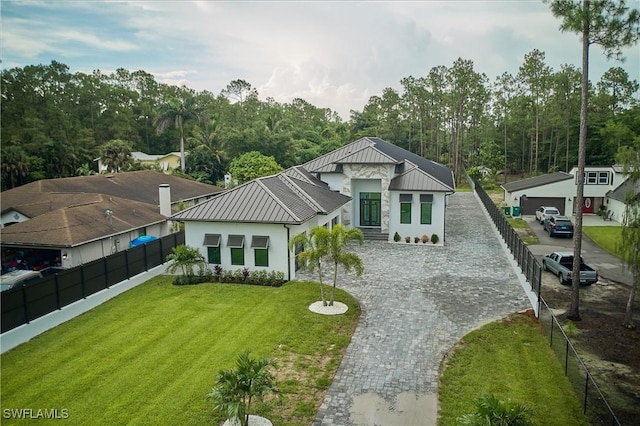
[{"x": 333, "y": 54}]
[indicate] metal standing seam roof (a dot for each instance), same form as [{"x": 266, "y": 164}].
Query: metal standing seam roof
[
  {"x": 367, "y": 155},
  {"x": 416, "y": 179},
  {"x": 536, "y": 181},
  {"x": 272, "y": 199},
  {"x": 330, "y": 162},
  {"x": 298, "y": 172}
]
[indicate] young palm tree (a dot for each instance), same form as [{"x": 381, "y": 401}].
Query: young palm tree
[
  {"x": 338, "y": 238},
  {"x": 186, "y": 258},
  {"x": 491, "y": 411},
  {"x": 235, "y": 389},
  {"x": 177, "y": 112},
  {"x": 315, "y": 247}
]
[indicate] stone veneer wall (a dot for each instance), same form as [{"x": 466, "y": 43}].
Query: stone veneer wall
[{"x": 367, "y": 171}]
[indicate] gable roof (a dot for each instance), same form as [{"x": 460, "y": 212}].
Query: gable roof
[
  {"x": 371, "y": 150},
  {"x": 416, "y": 179},
  {"x": 620, "y": 193},
  {"x": 139, "y": 186},
  {"x": 272, "y": 199},
  {"x": 536, "y": 181},
  {"x": 78, "y": 224}
]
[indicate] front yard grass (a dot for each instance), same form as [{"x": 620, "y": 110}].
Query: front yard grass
[
  {"x": 607, "y": 237},
  {"x": 150, "y": 355},
  {"x": 511, "y": 359}
]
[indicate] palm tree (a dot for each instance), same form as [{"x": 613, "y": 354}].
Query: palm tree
[
  {"x": 177, "y": 112},
  {"x": 186, "y": 258},
  {"x": 339, "y": 236},
  {"x": 116, "y": 154},
  {"x": 314, "y": 249},
  {"x": 236, "y": 388},
  {"x": 491, "y": 411}
]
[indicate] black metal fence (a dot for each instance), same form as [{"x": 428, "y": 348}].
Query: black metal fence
[
  {"x": 22, "y": 304},
  {"x": 594, "y": 404}
]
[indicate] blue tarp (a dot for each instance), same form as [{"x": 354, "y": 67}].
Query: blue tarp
[{"x": 144, "y": 239}]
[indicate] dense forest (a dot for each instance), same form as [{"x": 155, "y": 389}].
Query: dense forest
[{"x": 55, "y": 123}]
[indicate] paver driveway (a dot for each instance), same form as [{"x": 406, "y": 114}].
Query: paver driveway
[{"x": 417, "y": 302}]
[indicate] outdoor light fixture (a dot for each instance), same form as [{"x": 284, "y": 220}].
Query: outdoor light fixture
[{"x": 64, "y": 255}]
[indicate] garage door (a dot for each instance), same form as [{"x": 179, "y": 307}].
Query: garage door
[{"x": 531, "y": 204}]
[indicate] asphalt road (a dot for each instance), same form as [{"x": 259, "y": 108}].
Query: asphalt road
[{"x": 608, "y": 266}]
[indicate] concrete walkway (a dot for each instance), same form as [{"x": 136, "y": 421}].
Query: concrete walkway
[{"x": 417, "y": 302}]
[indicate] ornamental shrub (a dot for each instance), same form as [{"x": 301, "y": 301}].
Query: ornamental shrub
[{"x": 435, "y": 238}]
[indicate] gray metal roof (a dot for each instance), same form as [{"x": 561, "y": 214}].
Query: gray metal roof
[
  {"x": 536, "y": 181},
  {"x": 272, "y": 199},
  {"x": 375, "y": 150},
  {"x": 626, "y": 187},
  {"x": 416, "y": 179},
  {"x": 367, "y": 155},
  {"x": 298, "y": 172}
]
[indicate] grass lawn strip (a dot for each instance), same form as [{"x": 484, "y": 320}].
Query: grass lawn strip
[
  {"x": 149, "y": 356},
  {"x": 607, "y": 237},
  {"x": 511, "y": 359}
]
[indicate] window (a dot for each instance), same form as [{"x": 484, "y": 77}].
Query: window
[
  {"x": 213, "y": 255},
  {"x": 405, "y": 208},
  {"x": 236, "y": 244},
  {"x": 260, "y": 246},
  {"x": 142, "y": 232},
  {"x": 334, "y": 222},
  {"x": 405, "y": 212},
  {"x": 212, "y": 242},
  {"x": 261, "y": 257},
  {"x": 603, "y": 178},
  {"x": 591, "y": 178},
  {"x": 426, "y": 203}
]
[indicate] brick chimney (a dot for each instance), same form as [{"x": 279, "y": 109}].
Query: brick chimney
[{"x": 165, "y": 199}]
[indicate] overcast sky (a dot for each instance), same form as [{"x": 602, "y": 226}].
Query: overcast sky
[{"x": 332, "y": 54}]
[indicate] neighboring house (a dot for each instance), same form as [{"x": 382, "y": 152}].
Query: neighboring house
[
  {"x": 559, "y": 190},
  {"x": 164, "y": 162},
  {"x": 370, "y": 183},
  {"x": 70, "y": 221},
  {"x": 616, "y": 199}
]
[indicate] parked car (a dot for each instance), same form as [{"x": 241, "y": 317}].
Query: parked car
[
  {"x": 561, "y": 264},
  {"x": 543, "y": 212},
  {"x": 16, "y": 278},
  {"x": 558, "y": 225}
]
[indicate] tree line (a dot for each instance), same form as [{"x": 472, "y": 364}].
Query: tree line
[{"x": 56, "y": 123}]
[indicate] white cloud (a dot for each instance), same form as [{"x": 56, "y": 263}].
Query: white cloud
[{"x": 332, "y": 54}]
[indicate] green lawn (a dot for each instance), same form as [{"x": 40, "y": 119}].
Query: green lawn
[
  {"x": 511, "y": 359},
  {"x": 150, "y": 355},
  {"x": 607, "y": 237}
]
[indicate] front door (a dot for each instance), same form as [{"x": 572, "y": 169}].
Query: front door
[
  {"x": 588, "y": 205},
  {"x": 370, "y": 208}
]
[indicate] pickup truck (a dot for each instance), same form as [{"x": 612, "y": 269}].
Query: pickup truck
[{"x": 561, "y": 264}]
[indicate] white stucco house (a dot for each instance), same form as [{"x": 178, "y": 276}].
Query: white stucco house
[
  {"x": 370, "y": 184},
  {"x": 559, "y": 190}
]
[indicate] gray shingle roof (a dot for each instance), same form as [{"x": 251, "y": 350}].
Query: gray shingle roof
[
  {"x": 272, "y": 199},
  {"x": 139, "y": 185},
  {"x": 536, "y": 181},
  {"x": 626, "y": 187},
  {"x": 78, "y": 224}
]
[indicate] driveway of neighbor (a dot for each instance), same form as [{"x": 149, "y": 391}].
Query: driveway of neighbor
[
  {"x": 608, "y": 266},
  {"x": 417, "y": 302}
]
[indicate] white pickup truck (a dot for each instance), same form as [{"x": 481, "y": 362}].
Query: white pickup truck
[{"x": 561, "y": 264}]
